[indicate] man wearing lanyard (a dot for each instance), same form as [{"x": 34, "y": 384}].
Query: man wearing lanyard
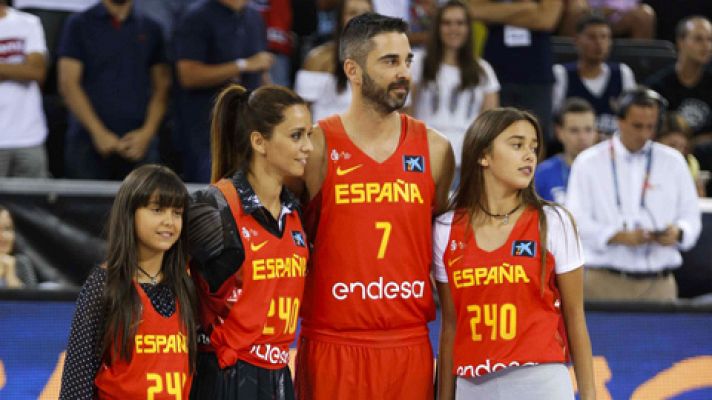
[{"x": 635, "y": 205}]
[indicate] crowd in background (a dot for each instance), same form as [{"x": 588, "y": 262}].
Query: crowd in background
[{"x": 91, "y": 89}]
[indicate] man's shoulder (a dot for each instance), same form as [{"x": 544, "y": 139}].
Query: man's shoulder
[
  {"x": 549, "y": 165},
  {"x": 592, "y": 154},
  {"x": 662, "y": 78}
]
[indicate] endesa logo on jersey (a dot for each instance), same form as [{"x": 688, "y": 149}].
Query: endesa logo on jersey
[
  {"x": 413, "y": 163},
  {"x": 378, "y": 290}
]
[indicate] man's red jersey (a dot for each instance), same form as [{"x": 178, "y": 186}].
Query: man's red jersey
[
  {"x": 159, "y": 366},
  {"x": 503, "y": 319},
  {"x": 370, "y": 267},
  {"x": 253, "y": 316}
]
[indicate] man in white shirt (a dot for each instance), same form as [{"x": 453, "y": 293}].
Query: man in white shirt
[
  {"x": 22, "y": 122},
  {"x": 635, "y": 205},
  {"x": 591, "y": 77}
]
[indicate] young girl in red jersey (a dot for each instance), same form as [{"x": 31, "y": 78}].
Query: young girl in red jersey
[
  {"x": 248, "y": 247},
  {"x": 509, "y": 271},
  {"x": 133, "y": 330}
]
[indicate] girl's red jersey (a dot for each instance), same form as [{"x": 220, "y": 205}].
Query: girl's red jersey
[
  {"x": 159, "y": 367},
  {"x": 503, "y": 320},
  {"x": 372, "y": 241},
  {"x": 253, "y": 316}
]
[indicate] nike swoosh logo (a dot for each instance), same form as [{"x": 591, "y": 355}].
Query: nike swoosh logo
[
  {"x": 453, "y": 261},
  {"x": 342, "y": 172},
  {"x": 257, "y": 247}
]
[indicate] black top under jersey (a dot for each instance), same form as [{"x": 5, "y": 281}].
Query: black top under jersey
[{"x": 214, "y": 244}]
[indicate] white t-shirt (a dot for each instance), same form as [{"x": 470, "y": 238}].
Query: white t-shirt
[
  {"x": 444, "y": 108},
  {"x": 60, "y": 5},
  {"x": 392, "y": 8},
  {"x": 319, "y": 89},
  {"x": 561, "y": 242},
  {"x": 22, "y": 120}
]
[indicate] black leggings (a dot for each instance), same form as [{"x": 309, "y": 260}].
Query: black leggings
[{"x": 241, "y": 381}]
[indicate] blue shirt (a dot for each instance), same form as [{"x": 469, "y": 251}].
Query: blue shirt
[
  {"x": 117, "y": 58},
  {"x": 551, "y": 179},
  {"x": 212, "y": 33}
]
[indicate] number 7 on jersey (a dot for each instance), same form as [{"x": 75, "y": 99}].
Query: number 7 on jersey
[{"x": 386, "y": 226}]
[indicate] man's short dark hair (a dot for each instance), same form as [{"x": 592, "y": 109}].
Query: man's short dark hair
[
  {"x": 356, "y": 41},
  {"x": 681, "y": 27},
  {"x": 588, "y": 19},
  {"x": 573, "y": 105},
  {"x": 640, "y": 96}
]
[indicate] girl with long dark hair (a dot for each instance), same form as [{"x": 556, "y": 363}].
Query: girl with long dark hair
[
  {"x": 509, "y": 271},
  {"x": 452, "y": 85},
  {"x": 133, "y": 333},
  {"x": 248, "y": 247}
]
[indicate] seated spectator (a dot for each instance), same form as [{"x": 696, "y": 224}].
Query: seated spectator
[
  {"x": 216, "y": 42},
  {"x": 23, "y": 128},
  {"x": 675, "y": 133},
  {"x": 452, "y": 85},
  {"x": 322, "y": 81},
  {"x": 635, "y": 205},
  {"x": 576, "y": 129},
  {"x": 592, "y": 77},
  {"x": 687, "y": 85},
  {"x": 115, "y": 81},
  {"x": 628, "y": 18},
  {"x": 16, "y": 270}
]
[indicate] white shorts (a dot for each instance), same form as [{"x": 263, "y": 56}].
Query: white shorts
[{"x": 532, "y": 382}]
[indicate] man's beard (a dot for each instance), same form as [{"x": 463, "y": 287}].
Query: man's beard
[{"x": 380, "y": 98}]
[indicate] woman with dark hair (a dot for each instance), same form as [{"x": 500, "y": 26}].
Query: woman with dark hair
[
  {"x": 509, "y": 271},
  {"x": 675, "y": 132},
  {"x": 16, "y": 269},
  {"x": 452, "y": 85},
  {"x": 248, "y": 247},
  {"x": 322, "y": 81},
  {"x": 133, "y": 333}
]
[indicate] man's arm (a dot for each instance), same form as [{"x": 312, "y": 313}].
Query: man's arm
[
  {"x": 70, "y": 76},
  {"x": 133, "y": 144},
  {"x": 196, "y": 74},
  {"x": 539, "y": 16},
  {"x": 33, "y": 69},
  {"x": 442, "y": 166}
]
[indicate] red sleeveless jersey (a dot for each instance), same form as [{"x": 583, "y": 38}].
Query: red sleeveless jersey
[
  {"x": 502, "y": 318},
  {"x": 159, "y": 366},
  {"x": 372, "y": 251},
  {"x": 253, "y": 315}
]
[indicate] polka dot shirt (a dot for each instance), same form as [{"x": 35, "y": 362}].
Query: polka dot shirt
[{"x": 83, "y": 360}]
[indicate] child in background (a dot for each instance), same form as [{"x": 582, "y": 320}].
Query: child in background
[{"x": 133, "y": 330}]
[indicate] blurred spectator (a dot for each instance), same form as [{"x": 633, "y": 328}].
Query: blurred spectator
[
  {"x": 591, "y": 77},
  {"x": 635, "y": 205},
  {"x": 15, "y": 269},
  {"x": 277, "y": 15},
  {"x": 687, "y": 85},
  {"x": 420, "y": 21},
  {"x": 519, "y": 49},
  {"x": 115, "y": 81},
  {"x": 166, "y": 13},
  {"x": 675, "y": 133},
  {"x": 216, "y": 41},
  {"x": 63, "y": 5},
  {"x": 322, "y": 81},
  {"x": 452, "y": 85},
  {"x": 23, "y": 55},
  {"x": 576, "y": 130},
  {"x": 628, "y": 18}
]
